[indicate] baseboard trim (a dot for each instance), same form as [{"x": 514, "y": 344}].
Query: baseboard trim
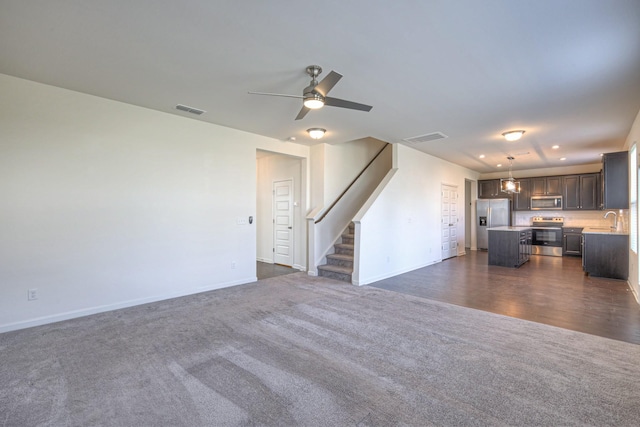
[
  {"x": 45, "y": 320},
  {"x": 393, "y": 273}
]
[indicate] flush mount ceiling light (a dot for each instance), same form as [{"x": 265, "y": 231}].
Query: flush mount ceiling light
[
  {"x": 509, "y": 185},
  {"x": 513, "y": 135},
  {"x": 316, "y": 133}
]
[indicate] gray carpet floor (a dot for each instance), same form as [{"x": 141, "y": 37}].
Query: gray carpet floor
[{"x": 303, "y": 351}]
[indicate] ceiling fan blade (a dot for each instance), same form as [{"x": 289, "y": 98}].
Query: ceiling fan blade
[
  {"x": 274, "y": 94},
  {"x": 335, "y": 102},
  {"x": 303, "y": 112},
  {"x": 327, "y": 83}
]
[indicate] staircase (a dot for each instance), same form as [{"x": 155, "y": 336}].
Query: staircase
[{"x": 339, "y": 264}]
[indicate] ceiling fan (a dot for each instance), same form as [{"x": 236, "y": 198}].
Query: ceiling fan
[{"x": 315, "y": 95}]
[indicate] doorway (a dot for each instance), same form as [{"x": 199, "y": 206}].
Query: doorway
[{"x": 449, "y": 221}]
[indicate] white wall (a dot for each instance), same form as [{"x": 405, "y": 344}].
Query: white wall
[
  {"x": 106, "y": 205},
  {"x": 278, "y": 167},
  {"x": 343, "y": 162},
  {"x": 400, "y": 229}
]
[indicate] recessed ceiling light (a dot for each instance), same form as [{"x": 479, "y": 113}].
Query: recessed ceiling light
[
  {"x": 563, "y": 158},
  {"x": 601, "y": 154},
  {"x": 481, "y": 156},
  {"x": 555, "y": 147},
  {"x": 499, "y": 165}
]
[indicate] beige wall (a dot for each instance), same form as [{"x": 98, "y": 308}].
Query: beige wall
[{"x": 634, "y": 138}]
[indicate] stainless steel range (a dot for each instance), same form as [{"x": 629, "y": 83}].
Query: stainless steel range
[{"x": 546, "y": 235}]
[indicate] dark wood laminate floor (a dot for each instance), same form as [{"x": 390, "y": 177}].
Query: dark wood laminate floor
[
  {"x": 265, "y": 270},
  {"x": 550, "y": 290}
]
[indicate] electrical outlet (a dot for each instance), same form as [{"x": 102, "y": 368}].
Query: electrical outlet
[{"x": 32, "y": 294}]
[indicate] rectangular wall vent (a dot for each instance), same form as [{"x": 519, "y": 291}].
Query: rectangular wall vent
[
  {"x": 426, "y": 138},
  {"x": 191, "y": 110}
]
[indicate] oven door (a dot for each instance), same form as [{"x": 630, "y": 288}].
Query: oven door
[{"x": 546, "y": 241}]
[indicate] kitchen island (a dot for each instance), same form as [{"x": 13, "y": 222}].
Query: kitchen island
[{"x": 509, "y": 246}]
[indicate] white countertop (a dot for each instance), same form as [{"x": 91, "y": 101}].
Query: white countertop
[{"x": 509, "y": 228}]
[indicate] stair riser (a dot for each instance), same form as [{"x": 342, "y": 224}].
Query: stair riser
[
  {"x": 334, "y": 275},
  {"x": 340, "y": 262},
  {"x": 347, "y": 240},
  {"x": 344, "y": 251}
]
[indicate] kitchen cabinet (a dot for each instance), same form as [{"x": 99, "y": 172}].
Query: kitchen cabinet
[
  {"x": 571, "y": 241},
  {"x": 522, "y": 200},
  {"x": 580, "y": 192},
  {"x": 490, "y": 189},
  {"x": 615, "y": 180},
  {"x": 546, "y": 186},
  {"x": 509, "y": 246},
  {"x": 606, "y": 255}
]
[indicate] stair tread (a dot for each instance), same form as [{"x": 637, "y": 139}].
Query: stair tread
[
  {"x": 345, "y": 245},
  {"x": 336, "y": 268},
  {"x": 344, "y": 257},
  {"x": 349, "y": 235}
]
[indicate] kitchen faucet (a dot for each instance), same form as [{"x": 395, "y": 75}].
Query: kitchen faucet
[{"x": 615, "y": 219}]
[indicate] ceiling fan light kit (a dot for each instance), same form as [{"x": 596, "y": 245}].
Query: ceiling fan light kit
[
  {"x": 315, "y": 96},
  {"x": 313, "y": 101},
  {"x": 316, "y": 133},
  {"x": 513, "y": 135}
]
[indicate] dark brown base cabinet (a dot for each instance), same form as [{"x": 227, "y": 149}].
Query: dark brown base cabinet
[
  {"x": 509, "y": 248},
  {"x": 606, "y": 255},
  {"x": 571, "y": 241}
]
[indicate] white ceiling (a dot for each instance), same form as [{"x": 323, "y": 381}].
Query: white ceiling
[{"x": 566, "y": 71}]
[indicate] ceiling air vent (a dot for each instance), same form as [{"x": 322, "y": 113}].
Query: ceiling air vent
[
  {"x": 425, "y": 138},
  {"x": 189, "y": 109}
]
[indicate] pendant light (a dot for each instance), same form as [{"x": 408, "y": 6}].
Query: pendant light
[{"x": 509, "y": 185}]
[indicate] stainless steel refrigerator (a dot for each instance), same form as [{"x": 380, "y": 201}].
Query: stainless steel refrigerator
[{"x": 490, "y": 213}]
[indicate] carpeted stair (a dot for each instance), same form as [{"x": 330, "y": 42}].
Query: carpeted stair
[{"x": 339, "y": 264}]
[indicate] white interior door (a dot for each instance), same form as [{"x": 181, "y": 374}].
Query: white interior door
[
  {"x": 283, "y": 222},
  {"x": 449, "y": 223}
]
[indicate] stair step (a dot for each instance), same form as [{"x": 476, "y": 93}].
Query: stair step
[
  {"x": 343, "y": 257},
  {"x": 344, "y": 245},
  {"x": 344, "y": 248},
  {"x": 343, "y": 260},
  {"x": 335, "y": 272},
  {"x": 336, "y": 268}
]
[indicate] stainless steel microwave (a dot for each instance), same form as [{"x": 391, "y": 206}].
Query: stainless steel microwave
[{"x": 546, "y": 203}]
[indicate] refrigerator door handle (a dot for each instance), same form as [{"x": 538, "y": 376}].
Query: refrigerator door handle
[{"x": 489, "y": 218}]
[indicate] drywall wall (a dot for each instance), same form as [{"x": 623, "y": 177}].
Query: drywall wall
[
  {"x": 343, "y": 162},
  {"x": 399, "y": 230},
  {"x": 273, "y": 167},
  {"x": 107, "y": 205}
]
